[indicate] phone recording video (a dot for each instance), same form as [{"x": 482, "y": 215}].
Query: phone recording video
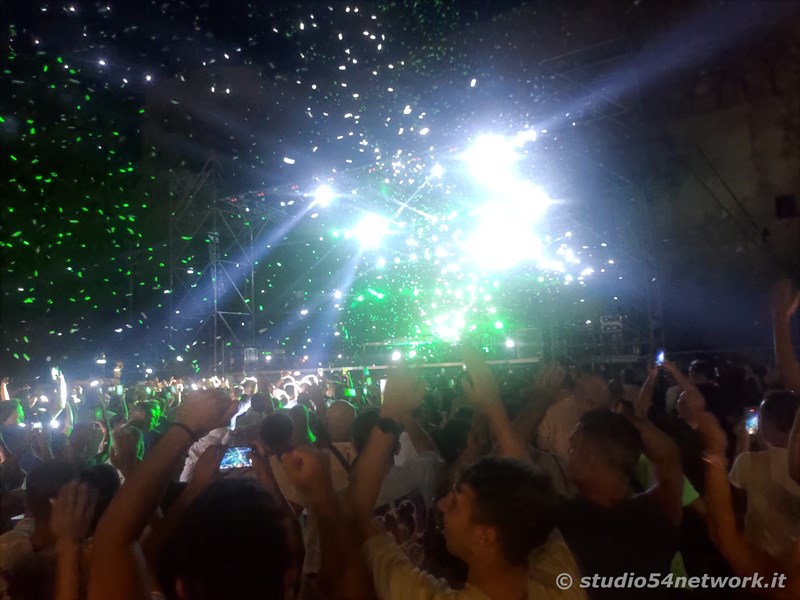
[
  {"x": 237, "y": 457},
  {"x": 660, "y": 358},
  {"x": 751, "y": 421}
]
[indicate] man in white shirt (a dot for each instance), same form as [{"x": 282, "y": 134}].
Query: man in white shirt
[{"x": 772, "y": 520}]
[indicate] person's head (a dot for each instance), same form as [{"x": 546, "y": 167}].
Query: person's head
[
  {"x": 291, "y": 391},
  {"x": 42, "y": 485},
  {"x": 229, "y": 543},
  {"x": 143, "y": 415},
  {"x": 776, "y": 417},
  {"x": 339, "y": 421},
  {"x": 499, "y": 511},
  {"x": 276, "y": 431},
  {"x": 301, "y": 426},
  {"x": 249, "y": 386},
  {"x": 11, "y": 413},
  {"x": 103, "y": 482},
  {"x": 700, "y": 372},
  {"x": 690, "y": 405},
  {"x": 84, "y": 442},
  {"x": 260, "y": 402},
  {"x": 604, "y": 450},
  {"x": 452, "y": 439}
]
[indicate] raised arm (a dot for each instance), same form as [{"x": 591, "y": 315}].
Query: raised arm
[
  {"x": 645, "y": 399},
  {"x": 70, "y": 521},
  {"x": 343, "y": 573},
  {"x": 785, "y": 301},
  {"x": 681, "y": 380},
  {"x": 403, "y": 394},
  {"x": 117, "y": 567},
  {"x": 662, "y": 452},
  {"x": 481, "y": 390},
  {"x": 743, "y": 558}
]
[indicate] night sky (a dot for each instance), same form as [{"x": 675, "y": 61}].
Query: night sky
[{"x": 420, "y": 121}]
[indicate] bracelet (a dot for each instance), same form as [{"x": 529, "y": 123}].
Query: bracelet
[
  {"x": 715, "y": 460},
  {"x": 187, "y": 430}
]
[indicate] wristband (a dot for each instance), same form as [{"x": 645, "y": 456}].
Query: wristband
[
  {"x": 387, "y": 425},
  {"x": 187, "y": 430}
]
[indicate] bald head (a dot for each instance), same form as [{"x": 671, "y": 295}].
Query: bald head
[{"x": 339, "y": 421}]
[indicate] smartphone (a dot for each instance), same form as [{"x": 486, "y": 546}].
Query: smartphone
[
  {"x": 36, "y": 426},
  {"x": 660, "y": 358},
  {"x": 236, "y": 457},
  {"x": 383, "y": 385},
  {"x": 751, "y": 421}
]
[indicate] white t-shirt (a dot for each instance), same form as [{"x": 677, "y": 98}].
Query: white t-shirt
[
  {"x": 396, "y": 578},
  {"x": 772, "y": 521}
]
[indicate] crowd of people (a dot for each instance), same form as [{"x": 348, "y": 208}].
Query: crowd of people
[{"x": 558, "y": 483}]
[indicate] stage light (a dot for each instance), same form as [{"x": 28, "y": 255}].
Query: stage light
[
  {"x": 149, "y": 371},
  {"x": 396, "y": 355},
  {"x": 437, "y": 170},
  {"x": 491, "y": 158},
  {"x": 510, "y": 343},
  {"x": 337, "y": 294},
  {"x": 179, "y": 358},
  {"x": 371, "y": 231},
  {"x": 498, "y": 325},
  {"x": 94, "y": 383},
  {"x": 101, "y": 360},
  {"x": 323, "y": 196}
]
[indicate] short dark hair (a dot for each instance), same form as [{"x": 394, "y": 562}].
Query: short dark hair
[
  {"x": 8, "y": 408},
  {"x": 276, "y": 430},
  {"x": 43, "y": 483},
  {"x": 104, "y": 481},
  {"x": 515, "y": 499},
  {"x": 620, "y": 443},
  {"x": 779, "y": 407},
  {"x": 452, "y": 439},
  {"x": 229, "y": 543}
]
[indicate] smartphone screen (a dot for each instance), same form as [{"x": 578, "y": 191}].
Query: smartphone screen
[
  {"x": 383, "y": 385},
  {"x": 660, "y": 358},
  {"x": 236, "y": 458},
  {"x": 751, "y": 421}
]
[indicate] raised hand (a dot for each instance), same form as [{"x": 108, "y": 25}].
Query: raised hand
[
  {"x": 126, "y": 449},
  {"x": 714, "y": 437},
  {"x": 205, "y": 410},
  {"x": 72, "y": 512},
  {"x": 403, "y": 394},
  {"x": 480, "y": 386},
  {"x": 206, "y": 469},
  {"x": 550, "y": 379}
]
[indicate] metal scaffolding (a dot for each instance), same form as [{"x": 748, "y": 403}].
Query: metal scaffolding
[
  {"x": 602, "y": 158},
  {"x": 214, "y": 305}
]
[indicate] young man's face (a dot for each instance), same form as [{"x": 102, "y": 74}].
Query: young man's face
[{"x": 459, "y": 529}]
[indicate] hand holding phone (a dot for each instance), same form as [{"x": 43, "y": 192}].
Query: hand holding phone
[
  {"x": 237, "y": 457},
  {"x": 751, "y": 421}
]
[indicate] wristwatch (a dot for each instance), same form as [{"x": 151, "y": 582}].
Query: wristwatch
[{"x": 387, "y": 425}]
